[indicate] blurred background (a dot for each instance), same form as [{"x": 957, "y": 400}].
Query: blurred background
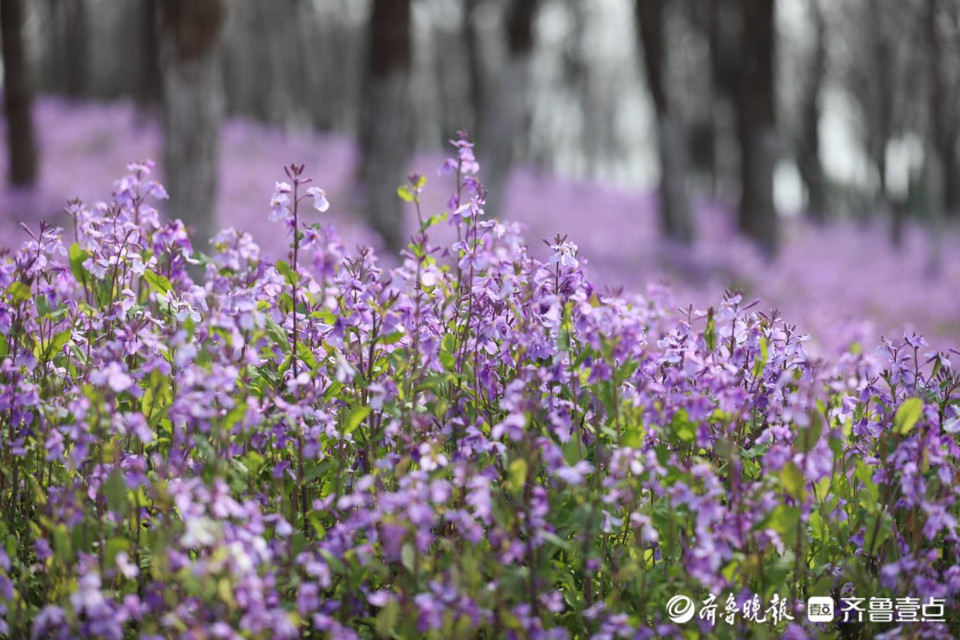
[{"x": 805, "y": 151}]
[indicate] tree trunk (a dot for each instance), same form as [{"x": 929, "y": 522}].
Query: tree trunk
[
  {"x": 934, "y": 146},
  {"x": 76, "y": 35},
  {"x": 386, "y": 118},
  {"x": 880, "y": 126},
  {"x": 18, "y": 98},
  {"x": 475, "y": 64},
  {"x": 724, "y": 42},
  {"x": 757, "y": 125},
  {"x": 952, "y": 174},
  {"x": 505, "y": 113},
  {"x": 675, "y": 219},
  {"x": 193, "y": 110},
  {"x": 149, "y": 82},
  {"x": 808, "y": 152}
]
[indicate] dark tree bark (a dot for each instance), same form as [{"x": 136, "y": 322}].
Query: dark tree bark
[
  {"x": 880, "y": 130},
  {"x": 193, "y": 110},
  {"x": 474, "y": 63},
  {"x": 76, "y": 36},
  {"x": 675, "y": 219},
  {"x": 808, "y": 146},
  {"x": 68, "y": 49},
  {"x": 386, "y": 118},
  {"x": 757, "y": 125},
  {"x": 18, "y": 97},
  {"x": 149, "y": 82},
  {"x": 952, "y": 174},
  {"x": 724, "y": 41},
  {"x": 504, "y": 112},
  {"x": 934, "y": 148}
]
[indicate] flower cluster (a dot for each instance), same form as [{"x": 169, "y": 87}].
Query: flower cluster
[{"x": 476, "y": 443}]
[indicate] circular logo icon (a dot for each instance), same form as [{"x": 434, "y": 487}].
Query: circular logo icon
[{"x": 680, "y": 609}]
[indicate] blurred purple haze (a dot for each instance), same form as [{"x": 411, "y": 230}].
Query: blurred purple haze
[{"x": 842, "y": 283}]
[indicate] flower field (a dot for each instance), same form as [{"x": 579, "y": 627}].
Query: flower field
[
  {"x": 476, "y": 442},
  {"x": 840, "y": 284}
]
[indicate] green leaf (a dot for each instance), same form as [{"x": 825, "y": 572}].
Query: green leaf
[
  {"x": 807, "y": 437},
  {"x": 77, "y": 257},
  {"x": 277, "y": 334},
  {"x": 865, "y": 476},
  {"x": 682, "y": 430},
  {"x": 354, "y": 419},
  {"x": 907, "y": 415},
  {"x": 761, "y": 362},
  {"x": 116, "y": 490},
  {"x": 405, "y": 194},
  {"x": 115, "y": 546},
  {"x": 408, "y": 556},
  {"x": 556, "y": 540},
  {"x": 448, "y": 361},
  {"x": 793, "y": 481},
  {"x": 432, "y": 220},
  {"x": 62, "y": 544},
  {"x": 58, "y": 342},
  {"x": 325, "y": 316},
  {"x": 306, "y": 356},
  {"x": 517, "y": 476},
  {"x": 710, "y": 333},
  {"x": 387, "y": 618},
  {"x": 391, "y": 338},
  {"x": 158, "y": 282},
  {"x": 19, "y": 292},
  {"x": 287, "y": 272},
  {"x": 783, "y": 520}
]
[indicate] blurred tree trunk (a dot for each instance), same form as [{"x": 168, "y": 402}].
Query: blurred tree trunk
[
  {"x": 475, "y": 64},
  {"x": 952, "y": 173},
  {"x": 934, "y": 148},
  {"x": 880, "y": 126},
  {"x": 76, "y": 36},
  {"x": 675, "y": 219},
  {"x": 757, "y": 125},
  {"x": 386, "y": 135},
  {"x": 808, "y": 146},
  {"x": 724, "y": 42},
  {"x": 68, "y": 49},
  {"x": 149, "y": 82},
  {"x": 18, "y": 97},
  {"x": 193, "y": 110},
  {"x": 503, "y": 117}
]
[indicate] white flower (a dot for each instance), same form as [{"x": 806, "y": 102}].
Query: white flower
[{"x": 319, "y": 199}]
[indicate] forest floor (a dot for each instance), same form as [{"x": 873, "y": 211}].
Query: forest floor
[{"x": 842, "y": 283}]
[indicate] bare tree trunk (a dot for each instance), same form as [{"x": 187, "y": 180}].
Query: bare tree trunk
[
  {"x": 18, "y": 97},
  {"x": 952, "y": 173},
  {"x": 933, "y": 151},
  {"x": 149, "y": 82},
  {"x": 757, "y": 125},
  {"x": 675, "y": 219},
  {"x": 193, "y": 110},
  {"x": 505, "y": 113},
  {"x": 386, "y": 118},
  {"x": 808, "y": 147},
  {"x": 75, "y": 37},
  {"x": 724, "y": 25},
  {"x": 474, "y": 63},
  {"x": 880, "y": 127}
]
